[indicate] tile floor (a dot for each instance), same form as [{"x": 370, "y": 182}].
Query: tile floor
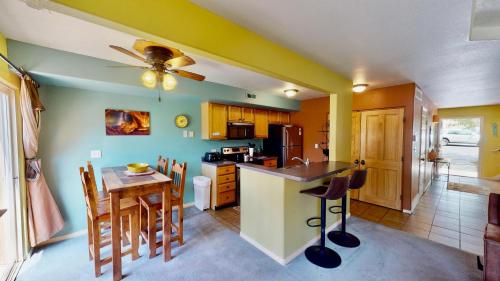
[{"x": 453, "y": 218}]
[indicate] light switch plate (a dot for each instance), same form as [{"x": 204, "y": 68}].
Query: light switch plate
[
  {"x": 213, "y": 150},
  {"x": 95, "y": 154},
  {"x": 316, "y": 145},
  {"x": 191, "y": 134},
  {"x": 185, "y": 133}
]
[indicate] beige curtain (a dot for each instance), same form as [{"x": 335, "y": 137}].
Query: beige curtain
[{"x": 44, "y": 217}]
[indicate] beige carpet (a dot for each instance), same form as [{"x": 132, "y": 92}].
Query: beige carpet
[{"x": 470, "y": 188}]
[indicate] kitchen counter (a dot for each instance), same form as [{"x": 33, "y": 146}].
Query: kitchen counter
[
  {"x": 273, "y": 211},
  {"x": 219, "y": 163},
  {"x": 302, "y": 173}
]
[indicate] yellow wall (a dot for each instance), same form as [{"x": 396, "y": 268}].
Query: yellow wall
[
  {"x": 12, "y": 81},
  {"x": 489, "y": 161}
]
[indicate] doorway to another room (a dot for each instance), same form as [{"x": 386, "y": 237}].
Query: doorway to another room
[
  {"x": 10, "y": 209},
  {"x": 460, "y": 139}
]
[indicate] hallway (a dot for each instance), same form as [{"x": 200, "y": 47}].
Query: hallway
[{"x": 453, "y": 218}]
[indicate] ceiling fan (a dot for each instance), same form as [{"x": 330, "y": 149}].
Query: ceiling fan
[{"x": 165, "y": 63}]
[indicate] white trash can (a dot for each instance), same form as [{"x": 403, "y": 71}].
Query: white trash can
[{"x": 202, "y": 192}]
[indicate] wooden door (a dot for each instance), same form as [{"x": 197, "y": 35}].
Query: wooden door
[
  {"x": 247, "y": 115},
  {"x": 234, "y": 114},
  {"x": 284, "y": 117},
  {"x": 423, "y": 152},
  {"x": 261, "y": 123},
  {"x": 382, "y": 149},
  {"x": 274, "y": 117},
  {"x": 218, "y": 121},
  {"x": 355, "y": 144}
]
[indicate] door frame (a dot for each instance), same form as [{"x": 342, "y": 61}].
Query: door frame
[
  {"x": 11, "y": 123},
  {"x": 481, "y": 137}
]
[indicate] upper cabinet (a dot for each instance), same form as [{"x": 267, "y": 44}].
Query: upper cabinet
[
  {"x": 261, "y": 123},
  {"x": 279, "y": 117},
  {"x": 214, "y": 118},
  {"x": 240, "y": 114},
  {"x": 214, "y": 121}
]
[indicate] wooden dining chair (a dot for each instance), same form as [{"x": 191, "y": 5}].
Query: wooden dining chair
[
  {"x": 162, "y": 165},
  {"x": 101, "y": 195},
  {"x": 150, "y": 210},
  {"x": 98, "y": 214}
]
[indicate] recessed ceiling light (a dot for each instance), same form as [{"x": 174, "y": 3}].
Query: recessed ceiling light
[
  {"x": 359, "y": 88},
  {"x": 291, "y": 92}
]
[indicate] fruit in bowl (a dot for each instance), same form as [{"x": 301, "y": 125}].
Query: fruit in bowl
[{"x": 137, "y": 167}]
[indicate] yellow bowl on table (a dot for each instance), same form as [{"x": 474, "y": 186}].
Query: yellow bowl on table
[{"x": 137, "y": 167}]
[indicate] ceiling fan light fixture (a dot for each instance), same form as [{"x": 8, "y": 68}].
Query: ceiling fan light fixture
[
  {"x": 291, "y": 92},
  {"x": 359, "y": 88},
  {"x": 149, "y": 79},
  {"x": 169, "y": 82}
]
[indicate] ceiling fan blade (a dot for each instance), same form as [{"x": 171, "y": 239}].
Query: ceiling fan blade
[
  {"x": 180, "y": 62},
  {"x": 127, "y": 52},
  {"x": 187, "y": 74},
  {"x": 126, "y": 66}
]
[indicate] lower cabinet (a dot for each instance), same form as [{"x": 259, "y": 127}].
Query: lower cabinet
[{"x": 223, "y": 190}]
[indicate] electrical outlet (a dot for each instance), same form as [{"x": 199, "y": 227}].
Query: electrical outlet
[
  {"x": 316, "y": 145},
  {"x": 213, "y": 150},
  {"x": 95, "y": 154},
  {"x": 185, "y": 133},
  {"x": 191, "y": 134}
]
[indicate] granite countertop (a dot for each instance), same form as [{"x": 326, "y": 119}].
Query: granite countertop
[{"x": 302, "y": 173}]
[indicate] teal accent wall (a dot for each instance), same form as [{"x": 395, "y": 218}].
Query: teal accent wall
[
  {"x": 76, "y": 90},
  {"x": 73, "y": 125}
]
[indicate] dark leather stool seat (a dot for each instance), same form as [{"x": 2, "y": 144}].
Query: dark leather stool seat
[
  {"x": 342, "y": 237},
  {"x": 320, "y": 255}
]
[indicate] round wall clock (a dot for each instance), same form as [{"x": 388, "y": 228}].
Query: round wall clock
[{"x": 181, "y": 121}]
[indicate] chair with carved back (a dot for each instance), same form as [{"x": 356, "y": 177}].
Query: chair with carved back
[
  {"x": 98, "y": 214},
  {"x": 150, "y": 207},
  {"x": 162, "y": 165}
]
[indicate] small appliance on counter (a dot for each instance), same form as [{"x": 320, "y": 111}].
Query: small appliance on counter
[{"x": 212, "y": 157}]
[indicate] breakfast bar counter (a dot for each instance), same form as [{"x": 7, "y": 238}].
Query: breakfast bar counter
[{"x": 273, "y": 213}]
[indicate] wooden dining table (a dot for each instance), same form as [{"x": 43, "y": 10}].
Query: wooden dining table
[{"x": 119, "y": 185}]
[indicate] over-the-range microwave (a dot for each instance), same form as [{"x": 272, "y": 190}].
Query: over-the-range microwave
[{"x": 240, "y": 131}]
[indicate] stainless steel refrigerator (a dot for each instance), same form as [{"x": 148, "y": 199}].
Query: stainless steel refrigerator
[{"x": 284, "y": 142}]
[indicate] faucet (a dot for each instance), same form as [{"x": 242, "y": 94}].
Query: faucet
[{"x": 306, "y": 162}]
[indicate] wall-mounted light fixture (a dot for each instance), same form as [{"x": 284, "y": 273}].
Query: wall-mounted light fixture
[
  {"x": 359, "y": 88},
  {"x": 291, "y": 92}
]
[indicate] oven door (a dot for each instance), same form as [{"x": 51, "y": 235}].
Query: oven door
[{"x": 240, "y": 131}]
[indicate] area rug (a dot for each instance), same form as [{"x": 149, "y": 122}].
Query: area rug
[{"x": 469, "y": 188}]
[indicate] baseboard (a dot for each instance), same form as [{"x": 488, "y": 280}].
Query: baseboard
[
  {"x": 84, "y": 232},
  {"x": 289, "y": 258},
  {"x": 63, "y": 237}
]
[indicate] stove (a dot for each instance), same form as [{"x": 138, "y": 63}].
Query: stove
[{"x": 234, "y": 153}]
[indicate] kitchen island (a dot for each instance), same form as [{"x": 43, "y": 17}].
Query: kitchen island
[{"x": 274, "y": 212}]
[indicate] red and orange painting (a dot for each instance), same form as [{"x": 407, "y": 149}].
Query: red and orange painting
[{"x": 127, "y": 123}]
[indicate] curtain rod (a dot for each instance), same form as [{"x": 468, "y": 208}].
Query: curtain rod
[{"x": 19, "y": 72}]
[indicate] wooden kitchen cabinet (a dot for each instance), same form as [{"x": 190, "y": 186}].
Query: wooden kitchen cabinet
[
  {"x": 223, "y": 178},
  {"x": 279, "y": 117},
  {"x": 261, "y": 123},
  {"x": 214, "y": 121},
  {"x": 240, "y": 114},
  {"x": 247, "y": 115},
  {"x": 274, "y": 117},
  {"x": 284, "y": 117}
]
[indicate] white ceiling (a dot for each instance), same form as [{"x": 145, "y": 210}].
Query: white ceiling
[
  {"x": 485, "y": 20},
  {"x": 382, "y": 42},
  {"x": 54, "y": 30}
]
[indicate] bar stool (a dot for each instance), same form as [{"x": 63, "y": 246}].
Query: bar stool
[
  {"x": 341, "y": 237},
  {"x": 320, "y": 255}
]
